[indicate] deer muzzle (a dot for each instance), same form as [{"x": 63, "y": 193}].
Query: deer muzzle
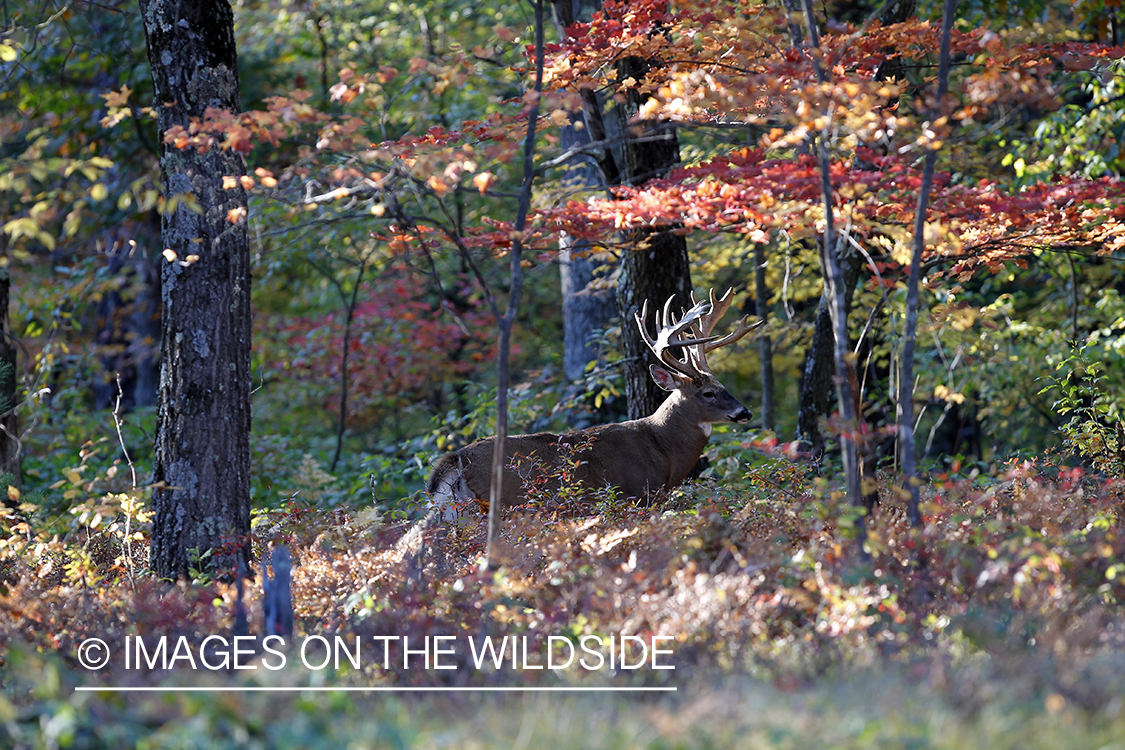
[{"x": 741, "y": 415}]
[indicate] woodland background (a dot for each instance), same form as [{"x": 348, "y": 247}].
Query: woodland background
[{"x": 376, "y": 232}]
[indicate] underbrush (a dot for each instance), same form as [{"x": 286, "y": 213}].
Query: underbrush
[{"x": 998, "y": 623}]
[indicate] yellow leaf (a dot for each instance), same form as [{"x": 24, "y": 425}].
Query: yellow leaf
[
  {"x": 944, "y": 393},
  {"x": 13, "y": 493},
  {"x": 73, "y": 476},
  {"x": 7, "y": 53},
  {"x": 99, "y": 191},
  {"x": 483, "y": 181}
]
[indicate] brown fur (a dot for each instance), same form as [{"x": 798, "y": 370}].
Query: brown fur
[{"x": 636, "y": 458}]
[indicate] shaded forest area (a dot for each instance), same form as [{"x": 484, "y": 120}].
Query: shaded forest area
[{"x": 398, "y": 206}]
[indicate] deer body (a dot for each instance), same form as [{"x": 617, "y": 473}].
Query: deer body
[{"x": 636, "y": 458}]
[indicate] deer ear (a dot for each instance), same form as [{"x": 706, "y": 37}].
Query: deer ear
[{"x": 666, "y": 379}]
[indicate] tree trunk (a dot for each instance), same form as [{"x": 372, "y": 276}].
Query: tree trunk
[
  {"x": 836, "y": 291},
  {"x": 202, "y": 461},
  {"x": 818, "y": 385},
  {"x": 655, "y": 270},
  {"x": 585, "y": 310},
  {"x": 9, "y": 380},
  {"x": 765, "y": 346},
  {"x": 505, "y": 323},
  {"x": 906, "y": 380}
]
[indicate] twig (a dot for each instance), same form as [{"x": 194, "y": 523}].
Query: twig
[{"x": 128, "y": 545}]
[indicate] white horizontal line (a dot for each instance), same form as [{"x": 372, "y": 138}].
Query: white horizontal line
[{"x": 248, "y": 689}]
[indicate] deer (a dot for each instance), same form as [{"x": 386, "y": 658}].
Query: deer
[{"x": 638, "y": 458}]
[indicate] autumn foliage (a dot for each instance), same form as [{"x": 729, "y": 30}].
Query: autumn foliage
[{"x": 403, "y": 349}]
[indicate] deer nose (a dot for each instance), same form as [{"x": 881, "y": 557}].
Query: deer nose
[{"x": 742, "y": 415}]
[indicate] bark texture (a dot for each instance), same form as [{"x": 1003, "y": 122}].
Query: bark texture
[
  {"x": 586, "y": 309},
  {"x": 656, "y": 269},
  {"x": 9, "y": 425},
  {"x": 202, "y": 462}
]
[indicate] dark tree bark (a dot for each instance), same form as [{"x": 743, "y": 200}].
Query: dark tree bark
[
  {"x": 656, "y": 269},
  {"x": 127, "y": 322},
  {"x": 896, "y": 11},
  {"x": 9, "y": 424},
  {"x": 202, "y": 462}
]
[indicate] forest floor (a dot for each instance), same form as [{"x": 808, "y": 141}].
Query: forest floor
[{"x": 722, "y": 617}]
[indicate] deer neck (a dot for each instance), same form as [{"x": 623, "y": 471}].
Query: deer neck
[{"x": 676, "y": 425}]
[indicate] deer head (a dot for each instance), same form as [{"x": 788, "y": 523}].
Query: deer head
[{"x": 688, "y": 373}]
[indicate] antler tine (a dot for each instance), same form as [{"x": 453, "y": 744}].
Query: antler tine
[
  {"x": 702, "y": 329},
  {"x": 718, "y": 309},
  {"x": 744, "y": 327},
  {"x": 670, "y": 319},
  {"x": 640, "y": 318},
  {"x": 668, "y": 335}
]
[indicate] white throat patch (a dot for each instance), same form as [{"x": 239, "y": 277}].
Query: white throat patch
[{"x": 706, "y": 427}]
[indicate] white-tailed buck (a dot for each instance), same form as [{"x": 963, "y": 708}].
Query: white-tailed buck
[{"x": 635, "y": 458}]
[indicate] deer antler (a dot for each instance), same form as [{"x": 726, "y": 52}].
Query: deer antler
[
  {"x": 669, "y": 330},
  {"x": 705, "y": 323}
]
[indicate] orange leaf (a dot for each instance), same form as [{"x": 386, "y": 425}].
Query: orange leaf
[
  {"x": 438, "y": 185},
  {"x": 483, "y": 181}
]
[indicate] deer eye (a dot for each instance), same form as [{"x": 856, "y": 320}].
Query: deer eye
[{"x": 709, "y": 395}]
